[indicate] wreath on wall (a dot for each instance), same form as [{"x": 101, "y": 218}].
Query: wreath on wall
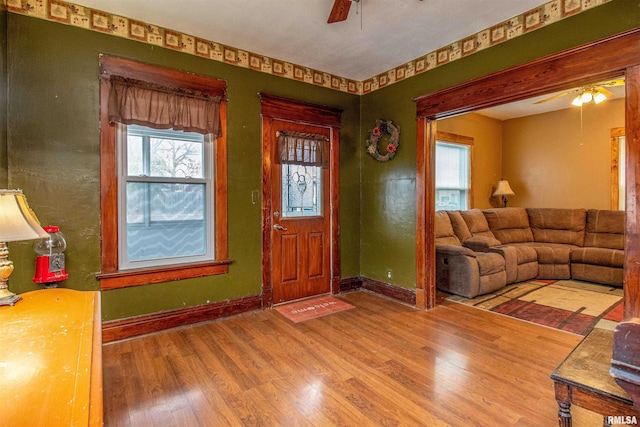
[{"x": 381, "y": 129}]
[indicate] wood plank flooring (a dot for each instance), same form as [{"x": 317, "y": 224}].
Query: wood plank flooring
[{"x": 381, "y": 363}]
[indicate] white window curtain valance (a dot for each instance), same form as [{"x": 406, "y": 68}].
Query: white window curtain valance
[
  {"x": 147, "y": 104},
  {"x": 303, "y": 149}
]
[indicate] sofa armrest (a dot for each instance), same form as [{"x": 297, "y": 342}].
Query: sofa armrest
[
  {"x": 453, "y": 250},
  {"x": 481, "y": 243}
]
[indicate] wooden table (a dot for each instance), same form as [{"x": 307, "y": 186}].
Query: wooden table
[
  {"x": 51, "y": 360},
  {"x": 583, "y": 379}
]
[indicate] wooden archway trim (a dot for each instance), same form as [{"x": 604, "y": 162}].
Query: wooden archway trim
[{"x": 611, "y": 57}]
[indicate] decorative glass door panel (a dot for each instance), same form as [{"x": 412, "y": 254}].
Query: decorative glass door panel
[{"x": 301, "y": 191}]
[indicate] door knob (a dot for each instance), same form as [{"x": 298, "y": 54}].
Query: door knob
[{"x": 279, "y": 227}]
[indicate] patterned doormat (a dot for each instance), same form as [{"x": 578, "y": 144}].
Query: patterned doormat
[
  {"x": 312, "y": 308},
  {"x": 567, "y": 305}
]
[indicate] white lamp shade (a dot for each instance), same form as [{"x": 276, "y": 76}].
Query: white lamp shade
[
  {"x": 17, "y": 221},
  {"x": 503, "y": 189}
]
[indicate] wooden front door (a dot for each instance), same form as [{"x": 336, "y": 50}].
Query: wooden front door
[
  {"x": 300, "y": 214},
  {"x": 300, "y": 205}
]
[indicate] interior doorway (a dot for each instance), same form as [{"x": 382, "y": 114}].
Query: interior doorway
[{"x": 617, "y": 56}]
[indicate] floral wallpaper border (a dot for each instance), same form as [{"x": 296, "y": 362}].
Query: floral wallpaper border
[{"x": 96, "y": 20}]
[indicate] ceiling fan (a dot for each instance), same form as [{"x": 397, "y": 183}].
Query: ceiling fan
[
  {"x": 596, "y": 93},
  {"x": 340, "y": 10}
]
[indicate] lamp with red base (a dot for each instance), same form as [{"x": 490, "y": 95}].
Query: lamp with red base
[{"x": 50, "y": 263}]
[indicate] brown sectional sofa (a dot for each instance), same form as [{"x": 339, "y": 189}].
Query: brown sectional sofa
[{"x": 480, "y": 251}]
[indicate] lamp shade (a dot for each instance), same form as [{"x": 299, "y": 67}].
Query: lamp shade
[
  {"x": 17, "y": 221},
  {"x": 503, "y": 189}
]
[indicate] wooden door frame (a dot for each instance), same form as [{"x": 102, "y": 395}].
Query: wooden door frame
[
  {"x": 604, "y": 59},
  {"x": 278, "y": 108}
]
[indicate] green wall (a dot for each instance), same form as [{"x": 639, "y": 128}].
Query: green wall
[
  {"x": 52, "y": 140},
  {"x": 53, "y": 155},
  {"x": 388, "y": 189}
]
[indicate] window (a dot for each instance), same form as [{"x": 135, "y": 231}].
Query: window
[
  {"x": 453, "y": 172},
  {"x": 166, "y": 197},
  {"x": 163, "y": 175}
]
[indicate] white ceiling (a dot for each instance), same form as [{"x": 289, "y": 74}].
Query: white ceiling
[
  {"x": 528, "y": 107},
  {"x": 377, "y": 36}
]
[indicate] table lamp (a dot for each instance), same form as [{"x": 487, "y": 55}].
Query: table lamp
[
  {"x": 17, "y": 222},
  {"x": 503, "y": 189}
]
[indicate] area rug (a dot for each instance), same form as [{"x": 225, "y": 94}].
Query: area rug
[
  {"x": 568, "y": 305},
  {"x": 312, "y": 308}
]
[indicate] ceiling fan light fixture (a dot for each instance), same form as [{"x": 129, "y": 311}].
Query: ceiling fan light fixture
[
  {"x": 586, "y": 96},
  {"x": 577, "y": 101},
  {"x": 599, "y": 97}
]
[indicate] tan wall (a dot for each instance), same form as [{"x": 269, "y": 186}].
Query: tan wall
[
  {"x": 487, "y": 153},
  {"x": 561, "y": 159}
]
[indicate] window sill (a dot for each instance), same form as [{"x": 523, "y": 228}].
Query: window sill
[{"x": 128, "y": 278}]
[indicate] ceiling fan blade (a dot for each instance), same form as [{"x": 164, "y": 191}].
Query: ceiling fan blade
[
  {"x": 617, "y": 82},
  {"x": 339, "y": 11},
  {"x": 605, "y": 92},
  {"x": 551, "y": 98}
]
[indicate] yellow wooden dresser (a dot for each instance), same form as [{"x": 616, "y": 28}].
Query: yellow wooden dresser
[{"x": 51, "y": 360}]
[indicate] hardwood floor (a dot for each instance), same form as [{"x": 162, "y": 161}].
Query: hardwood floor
[{"x": 382, "y": 363}]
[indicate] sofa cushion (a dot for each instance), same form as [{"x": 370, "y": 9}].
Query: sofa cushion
[
  {"x": 509, "y": 225},
  {"x": 605, "y": 229},
  {"x": 550, "y": 225},
  {"x": 459, "y": 226},
  {"x": 477, "y": 223},
  {"x": 553, "y": 253},
  {"x": 489, "y": 263},
  {"x": 444, "y": 231},
  {"x": 598, "y": 256}
]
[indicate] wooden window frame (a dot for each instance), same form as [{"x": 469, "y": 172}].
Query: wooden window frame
[
  {"x": 455, "y": 139},
  {"x": 110, "y": 276}
]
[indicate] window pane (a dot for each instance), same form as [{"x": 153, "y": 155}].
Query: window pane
[
  {"x": 175, "y": 158},
  {"x": 301, "y": 191},
  {"x": 452, "y": 176},
  {"x": 164, "y": 153},
  {"x": 165, "y": 220},
  {"x": 134, "y": 155}
]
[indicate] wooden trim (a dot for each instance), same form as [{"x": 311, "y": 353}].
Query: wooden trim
[
  {"x": 221, "y": 192},
  {"x": 350, "y": 283},
  {"x": 404, "y": 295},
  {"x": 616, "y": 133},
  {"x": 278, "y": 108},
  {"x": 127, "y": 278},
  {"x": 454, "y": 138},
  {"x": 335, "y": 210},
  {"x": 267, "y": 288},
  {"x": 110, "y": 277},
  {"x": 112, "y": 65},
  {"x": 421, "y": 195},
  {"x": 608, "y": 58},
  {"x": 599, "y": 60},
  {"x": 632, "y": 196},
  {"x": 140, "y": 325},
  {"x": 108, "y": 185}
]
